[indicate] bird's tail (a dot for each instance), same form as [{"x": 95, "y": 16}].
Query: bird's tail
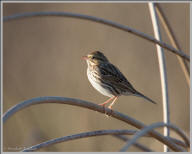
[{"x": 145, "y": 97}]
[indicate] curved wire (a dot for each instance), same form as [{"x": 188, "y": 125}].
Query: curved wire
[
  {"x": 91, "y": 106},
  {"x": 147, "y": 129},
  {"x": 79, "y": 136},
  {"x": 162, "y": 70},
  {"x": 99, "y": 20}
]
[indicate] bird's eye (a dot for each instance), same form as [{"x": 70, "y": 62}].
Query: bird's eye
[{"x": 93, "y": 57}]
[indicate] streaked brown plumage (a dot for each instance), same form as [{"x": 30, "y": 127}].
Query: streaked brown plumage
[{"x": 107, "y": 78}]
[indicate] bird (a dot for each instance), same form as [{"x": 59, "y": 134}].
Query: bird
[{"x": 108, "y": 79}]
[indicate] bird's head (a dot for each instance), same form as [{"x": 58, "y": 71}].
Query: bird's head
[{"x": 95, "y": 57}]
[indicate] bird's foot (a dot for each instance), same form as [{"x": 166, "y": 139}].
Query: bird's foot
[
  {"x": 110, "y": 107},
  {"x": 103, "y": 105}
]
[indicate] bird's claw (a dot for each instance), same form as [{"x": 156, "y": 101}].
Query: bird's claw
[
  {"x": 109, "y": 107},
  {"x": 103, "y": 105},
  {"x": 111, "y": 110}
]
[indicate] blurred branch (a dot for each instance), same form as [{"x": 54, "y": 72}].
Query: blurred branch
[
  {"x": 162, "y": 69},
  {"x": 89, "y": 134},
  {"x": 91, "y": 106},
  {"x": 79, "y": 136},
  {"x": 170, "y": 34},
  {"x": 176, "y": 141},
  {"x": 99, "y": 20},
  {"x": 145, "y": 130},
  {"x": 138, "y": 145}
]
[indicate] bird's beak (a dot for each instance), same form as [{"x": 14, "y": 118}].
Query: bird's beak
[{"x": 85, "y": 57}]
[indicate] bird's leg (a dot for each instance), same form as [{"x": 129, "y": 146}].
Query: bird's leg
[
  {"x": 110, "y": 106},
  {"x": 103, "y": 104},
  {"x": 107, "y": 101}
]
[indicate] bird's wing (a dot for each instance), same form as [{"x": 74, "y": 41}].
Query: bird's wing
[{"x": 112, "y": 75}]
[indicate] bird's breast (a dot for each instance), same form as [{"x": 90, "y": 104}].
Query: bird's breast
[{"x": 97, "y": 84}]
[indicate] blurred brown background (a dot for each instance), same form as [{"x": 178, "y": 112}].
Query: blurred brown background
[{"x": 42, "y": 56}]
